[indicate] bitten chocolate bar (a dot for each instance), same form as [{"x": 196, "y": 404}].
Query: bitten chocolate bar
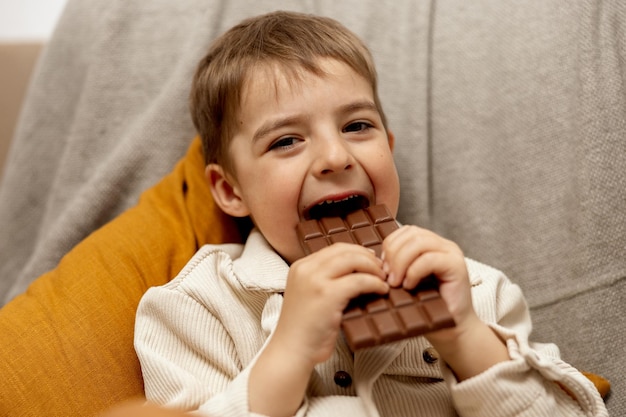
[{"x": 372, "y": 319}]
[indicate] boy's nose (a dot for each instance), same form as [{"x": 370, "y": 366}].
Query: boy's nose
[{"x": 333, "y": 157}]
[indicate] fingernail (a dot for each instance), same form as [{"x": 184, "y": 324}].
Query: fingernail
[
  {"x": 385, "y": 267},
  {"x": 391, "y": 279}
]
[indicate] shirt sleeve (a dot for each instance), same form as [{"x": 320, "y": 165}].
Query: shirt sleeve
[
  {"x": 186, "y": 355},
  {"x": 535, "y": 382}
]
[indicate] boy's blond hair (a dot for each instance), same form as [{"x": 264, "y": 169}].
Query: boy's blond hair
[{"x": 292, "y": 41}]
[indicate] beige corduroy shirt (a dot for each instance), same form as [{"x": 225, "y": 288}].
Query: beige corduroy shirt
[{"x": 198, "y": 336}]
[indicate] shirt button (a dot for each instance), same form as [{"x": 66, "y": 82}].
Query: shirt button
[
  {"x": 430, "y": 355},
  {"x": 343, "y": 379}
]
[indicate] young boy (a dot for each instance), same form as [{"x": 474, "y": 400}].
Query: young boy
[{"x": 292, "y": 126}]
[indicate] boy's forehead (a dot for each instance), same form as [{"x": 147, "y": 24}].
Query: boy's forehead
[
  {"x": 271, "y": 90},
  {"x": 272, "y": 78}
]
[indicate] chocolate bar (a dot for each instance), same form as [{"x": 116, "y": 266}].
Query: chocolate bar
[{"x": 373, "y": 319}]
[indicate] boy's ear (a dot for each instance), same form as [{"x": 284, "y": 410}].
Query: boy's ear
[
  {"x": 226, "y": 191},
  {"x": 391, "y": 139}
]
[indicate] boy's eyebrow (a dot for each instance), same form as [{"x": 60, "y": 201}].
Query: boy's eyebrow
[
  {"x": 358, "y": 105},
  {"x": 272, "y": 125}
]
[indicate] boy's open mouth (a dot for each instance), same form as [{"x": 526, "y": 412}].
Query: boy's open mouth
[{"x": 338, "y": 208}]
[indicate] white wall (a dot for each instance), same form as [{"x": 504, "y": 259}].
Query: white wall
[{"x": 27, "y": 20}]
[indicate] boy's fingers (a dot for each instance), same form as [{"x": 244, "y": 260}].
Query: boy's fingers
[
  {"x": 353, "y": 285},
  {"x": 344, "y": 258},
  {"x": 401, "y": 249},
  {"x": 439, "y": 264},
  {"x": 404, "y": 249}
]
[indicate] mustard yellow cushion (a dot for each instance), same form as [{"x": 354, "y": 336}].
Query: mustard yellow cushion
[{"x": 66, "y": 345}]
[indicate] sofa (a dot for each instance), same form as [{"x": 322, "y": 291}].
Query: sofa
[{"x": 509, "y": 118}]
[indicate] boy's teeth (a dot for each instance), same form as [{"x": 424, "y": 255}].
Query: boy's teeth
[
  {"x": 335, "y": 201},
  {"x": 329, "y": 208}
]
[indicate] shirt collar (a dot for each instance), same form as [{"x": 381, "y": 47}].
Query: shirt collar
[{"x": 260, "y": 267}]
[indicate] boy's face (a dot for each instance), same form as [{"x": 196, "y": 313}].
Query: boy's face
[{"x": 302, "y": 144}]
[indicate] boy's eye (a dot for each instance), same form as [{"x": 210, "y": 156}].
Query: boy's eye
[
  {"x": 283, "y": 143},
  {"x": 357, "y": 127}
]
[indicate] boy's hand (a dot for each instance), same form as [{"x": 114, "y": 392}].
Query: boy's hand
[
  {"x": 412, "y": 253},
  {"x": 319, "y": 287}
]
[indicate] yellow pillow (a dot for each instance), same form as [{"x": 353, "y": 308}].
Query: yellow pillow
[{"x": 67, "y": 343}]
